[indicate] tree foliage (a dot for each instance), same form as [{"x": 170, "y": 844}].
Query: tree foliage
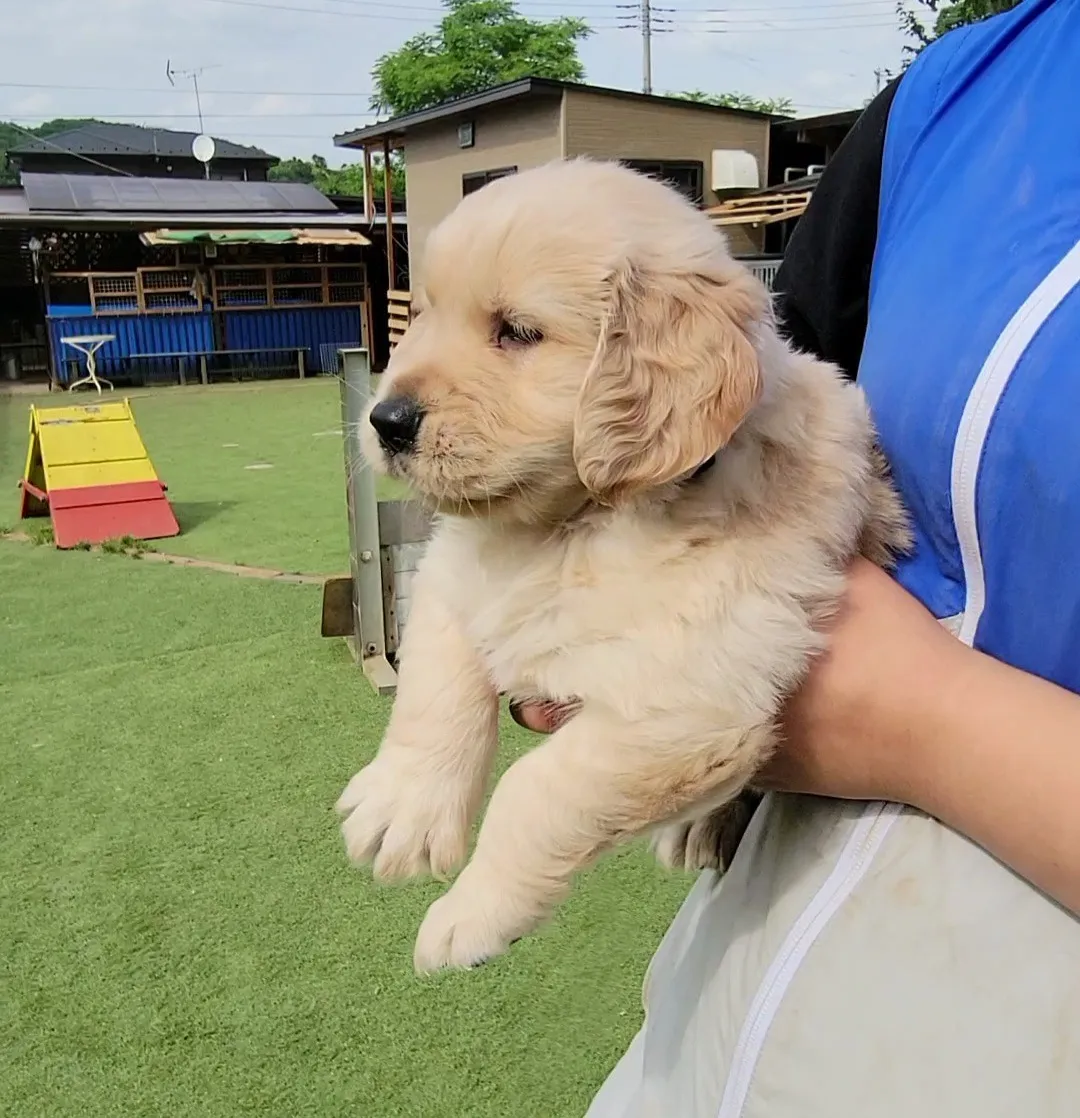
[
  {"x": 778, "y": 106},
  {"x": 478, "y": 44},
  {"x": 14, "y": 135},
  {"x": 343, "y": 181},
  {"x": 930, "y": 19}
]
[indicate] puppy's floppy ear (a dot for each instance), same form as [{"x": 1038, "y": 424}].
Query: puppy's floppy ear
[{"x": 674, "y": 375}]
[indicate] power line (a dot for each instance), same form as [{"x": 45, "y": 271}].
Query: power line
[
  {"x": 206, "y": 115},
  {"x": 170, "y": 90},
  {"x": 348, "y": 13}
]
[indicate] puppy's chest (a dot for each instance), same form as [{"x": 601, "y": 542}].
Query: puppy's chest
[{"x": 540, "y": 622}]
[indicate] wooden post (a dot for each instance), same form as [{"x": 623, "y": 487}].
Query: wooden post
[
  {"x": 300, "y": 363},
  {"x": 369, "y": 639},
  {"x": 202, "y": 369},
  {"x": 388, "y": 195},
  {"x": 369, "y": 197}
]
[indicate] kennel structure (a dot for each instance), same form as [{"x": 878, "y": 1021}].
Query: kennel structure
[{"x": 370, "y": 605}]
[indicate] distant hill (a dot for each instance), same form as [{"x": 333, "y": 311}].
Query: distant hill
[{"x": 12, "y": 136}]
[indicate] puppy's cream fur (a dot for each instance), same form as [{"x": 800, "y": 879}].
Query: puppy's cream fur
[{"x": 585, "y": 342}]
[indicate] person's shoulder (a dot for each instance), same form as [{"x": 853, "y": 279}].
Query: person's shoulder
[{"x": 822, "y": 287}]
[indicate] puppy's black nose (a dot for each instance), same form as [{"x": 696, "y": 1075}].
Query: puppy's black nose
[{"x": 397, "y": 423}]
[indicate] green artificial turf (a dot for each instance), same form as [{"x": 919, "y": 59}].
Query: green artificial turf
[
  {"x": 180, "y": 933},
  {"x": 256, "y": 473}
]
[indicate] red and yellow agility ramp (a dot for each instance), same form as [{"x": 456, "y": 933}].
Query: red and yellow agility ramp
[{"x": 87, "y": 467}]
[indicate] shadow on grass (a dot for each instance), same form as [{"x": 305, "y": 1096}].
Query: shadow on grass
[{"x": 190, "y": 514}]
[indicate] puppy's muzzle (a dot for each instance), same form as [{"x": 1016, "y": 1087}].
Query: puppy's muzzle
[{"x": 397, "y": 423}]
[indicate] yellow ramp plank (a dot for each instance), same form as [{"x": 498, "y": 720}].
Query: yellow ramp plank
[
  {"x": 89, "y": 442},
  {"x": 100, "y": 473},
  {"x": 89, "y": 413}
]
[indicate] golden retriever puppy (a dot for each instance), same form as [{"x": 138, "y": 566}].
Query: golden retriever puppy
[{"x": 646, "y": 502}]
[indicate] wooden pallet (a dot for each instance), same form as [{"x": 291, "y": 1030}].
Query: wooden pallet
[
  {"x": 399, "y": 314},
  {"x": 761, "y": 209}
]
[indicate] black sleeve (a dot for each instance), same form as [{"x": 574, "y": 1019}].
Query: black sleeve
[{"x": 822, "y": 288}]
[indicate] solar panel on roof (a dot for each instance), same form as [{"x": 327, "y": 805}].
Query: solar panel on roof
[{"x": 93, "y": 193}]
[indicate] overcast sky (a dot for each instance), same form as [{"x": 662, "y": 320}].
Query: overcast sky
[{"x": 288, "y": 74}]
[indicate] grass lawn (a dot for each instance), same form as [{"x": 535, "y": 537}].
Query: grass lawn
[
  {"x": 288, "y": 512},
  {"x": 181, "y": 933}
]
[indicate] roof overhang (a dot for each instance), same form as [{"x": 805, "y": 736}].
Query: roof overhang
[
  {"x": 393, "y": 131},
  {"x": 102, "y": 219}
]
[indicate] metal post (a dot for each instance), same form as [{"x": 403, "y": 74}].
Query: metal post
[
  {"x": 369, "y": 640},
  {"x": 369, "y": 196},
  {"x": 388, "y": 202}
]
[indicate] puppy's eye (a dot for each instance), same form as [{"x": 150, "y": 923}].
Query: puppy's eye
[{"x": 515, "y": 335}]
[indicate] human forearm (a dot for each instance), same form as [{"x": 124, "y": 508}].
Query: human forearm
[
  {"x": 898, "y": 709},
  {"x": 998, "y": 759}
]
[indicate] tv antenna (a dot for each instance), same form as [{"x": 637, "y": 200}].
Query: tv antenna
[
  {"x": 170, "y": 73},
  {"x": 202, "y": 146}
]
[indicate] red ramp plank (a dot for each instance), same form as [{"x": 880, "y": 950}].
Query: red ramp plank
[{"x": 95, "y": 513}]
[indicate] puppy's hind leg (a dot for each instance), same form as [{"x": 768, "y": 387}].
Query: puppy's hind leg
[
  {"x": 707, "y": 841},
  {"x": 593, "y": 783}
]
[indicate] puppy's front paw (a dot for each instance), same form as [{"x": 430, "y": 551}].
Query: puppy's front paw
[
  {"x": 472, "y": 923},
  {"x": 403, "y": 820}
]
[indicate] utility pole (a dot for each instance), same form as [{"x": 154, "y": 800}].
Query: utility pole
[{"x": 646, "y": 47}]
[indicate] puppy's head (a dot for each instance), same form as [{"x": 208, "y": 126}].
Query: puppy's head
[{"x": 583, "y": 334}]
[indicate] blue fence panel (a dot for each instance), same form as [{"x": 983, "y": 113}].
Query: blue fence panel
[
  {"x": 309, "y": 328},
  {"x": 319, "y": 330},
  {"x": 142, "y": 333}
]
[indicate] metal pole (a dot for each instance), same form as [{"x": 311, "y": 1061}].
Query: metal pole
[
  {"x": 198, "y": 108},
  {"x": 369, "y": 628},
  {"x": 646, "y": 47},
  {"x": 388, "y": 201}
]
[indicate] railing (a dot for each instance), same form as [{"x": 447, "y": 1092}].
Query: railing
[
  {"x": 400, "y": 309},
  {"x": 764, "y": 267},
  {"x": 186, "y": 367},
  {"x": 399, "y": 313}
]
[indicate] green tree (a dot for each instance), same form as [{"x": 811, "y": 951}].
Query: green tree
[
  {"x": 778, "y": 106},
  {"x": 478, "y": 44},
  {"x": 13, "y": 135},
  {"x": 930, "y": 19},
  {"x": 344, "y": 181},
  {"x": 292, "y": 170}
]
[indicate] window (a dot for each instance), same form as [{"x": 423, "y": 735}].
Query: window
[
  {"x": 686, "y": 176},
  {"x": 472, "y": 182}
]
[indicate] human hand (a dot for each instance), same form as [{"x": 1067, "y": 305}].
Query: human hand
[
  {"x": 857, "y": 727},
  {"x": 844, "y": 730}
]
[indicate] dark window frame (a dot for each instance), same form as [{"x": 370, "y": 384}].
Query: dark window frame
[
  {"x": 472, "y": 181},
  {"x": 691, "y": 184}
]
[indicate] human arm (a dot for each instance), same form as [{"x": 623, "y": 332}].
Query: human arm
[{"x": 898, "y": 709}]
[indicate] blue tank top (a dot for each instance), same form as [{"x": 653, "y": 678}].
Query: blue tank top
[{"x": 972, "y": 353}]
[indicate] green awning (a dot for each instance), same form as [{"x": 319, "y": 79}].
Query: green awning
[{"x": 254, "y": 237}]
